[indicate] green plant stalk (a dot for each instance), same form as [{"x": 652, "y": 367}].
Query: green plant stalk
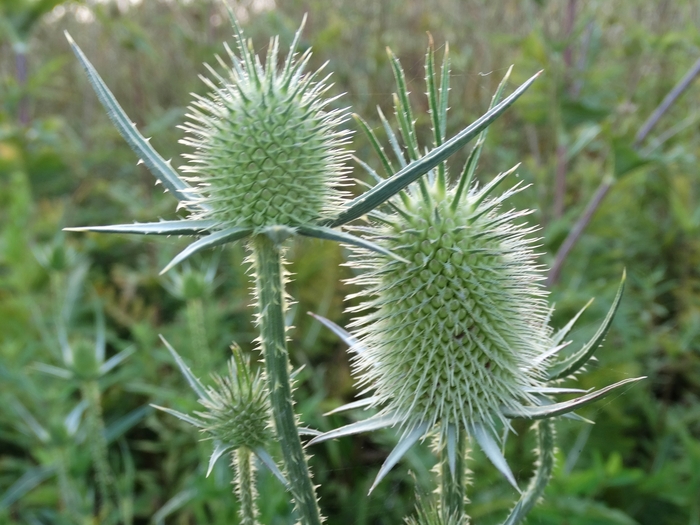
[
  {"x": 271, "y": 306},
  {"x": 90, "y": 391},
  {"x": 244, "y": 483},
  {"x": 453, "y": 485},
  {"x": 198, "y": 337},
  {"x": 543, "y": 473},
  {"x": 69, "y": 502}
]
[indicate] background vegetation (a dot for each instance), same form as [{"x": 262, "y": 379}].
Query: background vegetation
[{"x": 607, "y": 65}]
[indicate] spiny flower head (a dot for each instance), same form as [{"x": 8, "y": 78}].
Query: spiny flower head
[
  {"x": 454, "y": 334},
  {"x": 268, "y": 152},
  {"x": 453, "y": 337},
  {"x": 237, "y": 409}
]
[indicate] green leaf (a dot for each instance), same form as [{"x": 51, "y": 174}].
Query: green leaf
[
  {"x": 211, "y": 240},
  {"x": 194, "y": 383},
  {"x": 182, "y": 227},
  {"x": 558, "y": 409},
  {"x": 219, "y": 450},
  {"x": 366, "y": 425},
  {"x": 158, "y": 166},
  {"x": 577, "y": 360},
  {"x": 267, "y": 460},
  {"x": 321, "y": 232},
  {"x": 406, "y": 442},
  {"x": 118, "y": 427},
  {"x": 561, "y": 334},
  {"x": 390, "y": 187},
  {"x": 25, "y": 484},
  {"x": 493, "y": 452}
]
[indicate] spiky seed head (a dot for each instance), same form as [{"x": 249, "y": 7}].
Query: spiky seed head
[
  {"x": 85, "y": 365},
  {"x": 237, "y": 412},
  {"x": 268, "y": 152},
  {"x": 451, "y": 337}
]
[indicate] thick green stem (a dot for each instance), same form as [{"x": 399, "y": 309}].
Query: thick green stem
[
  {"x": 271, "y": 307},
  {"x": 543, "y": 473},
  {"x": 198, "y": 337},
  {"x": 98, "y": 445},
  {"x": 453, "y": 481},
  {"x": 244, "y": 482}
]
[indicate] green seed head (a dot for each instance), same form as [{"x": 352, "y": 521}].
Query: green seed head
[
  {"x": 268, "y": 152},
  {"x": 452, "y": 336},
  {"x": 237, "y": 411}
]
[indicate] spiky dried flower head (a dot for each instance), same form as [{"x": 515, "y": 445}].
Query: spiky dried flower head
[
  {"x": 453, "y": 335},
  {"x": 236, "y": 411},
  {"x": 268, "y": 151}
]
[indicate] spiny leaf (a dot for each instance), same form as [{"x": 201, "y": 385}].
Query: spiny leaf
[
  {"x": 493, "y": 452},
  {"x": 367, "y": 425},
  {"x": 321, "y": 232},
  {"x": 211, "y": 240},
  {"x": 580, "y": 358},
  {"x": 390, "y": 187},
  {"x": 150, "y": 157},
  {"x": 557, "y": 409},
  {"x": 194, "y": 383},
  {"x": 406, "y": 442},
  {"x": 182, "y": 227}
]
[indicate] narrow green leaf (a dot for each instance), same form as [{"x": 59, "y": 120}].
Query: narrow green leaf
[
  {"x": 158, "y": 166},
  {"x": 175, "y": 503},
  {"x": 31, "y": 479},
  {"x": 360, "y": 403},
  {"x": 577, "y": 360},
  {"x": 53, "y": 370},
  {"x": 563, "y": 332},
  {"x": 435, "y": 113},
  {"x": 72, "y": 421},
  {"x": 344, "y": 335},
  {"x": 467, "y": 175},
  {"x": 374, "y": 142},
  {"x": 194, "y": 383},
  {"x": 390, "y": 187},
  {"x": 321, "y": 232},
  {"x": 214, "y": 239},
  {"x": 182, "y": 227},
  {"x": 493, "y": 452},
  {"x": 219, "y": 450},
  {"x": 120, "y": 426},
  {"x": 557, "y": 409},
  {"x": 116, "y": 359},
  {"x": 406, "y": 442},
  {"x": 366, "y": 425},
  {"x": 184, "y": 417},
  {"x": 267, "y": 460}
]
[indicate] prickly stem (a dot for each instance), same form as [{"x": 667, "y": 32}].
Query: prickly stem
[{"x": 271, "y": 307}]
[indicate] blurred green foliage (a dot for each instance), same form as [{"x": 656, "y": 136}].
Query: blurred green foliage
[{"x": 607, "y": 66}]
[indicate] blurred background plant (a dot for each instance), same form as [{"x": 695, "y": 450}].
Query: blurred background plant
[{"x": 579, "y": 131}]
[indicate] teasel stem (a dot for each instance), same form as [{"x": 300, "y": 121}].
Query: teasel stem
[
  {"x": 198, "y": 337},
  {"x": 271, "y": 307},
  {"x": 543, "y": 473},
  {"x": 453, "y": 478},
  {"x": 244, "y": 483},
  {"x": 69, "y": 501},
  {"x": 90, "y": 391}
]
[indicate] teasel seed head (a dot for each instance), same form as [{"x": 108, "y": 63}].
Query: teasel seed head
[
  {"x": 451, "y": 336},
  {"x": 267, "y": 149}
]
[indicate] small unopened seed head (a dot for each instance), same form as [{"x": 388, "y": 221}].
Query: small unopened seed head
[{"x": 237, "y": 412}]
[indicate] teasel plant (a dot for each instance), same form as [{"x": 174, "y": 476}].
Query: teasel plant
[
  {"x": 452, "y": 338},
  {"x": 268, "y": 163},
  {"x": 235, "y": 416}
]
